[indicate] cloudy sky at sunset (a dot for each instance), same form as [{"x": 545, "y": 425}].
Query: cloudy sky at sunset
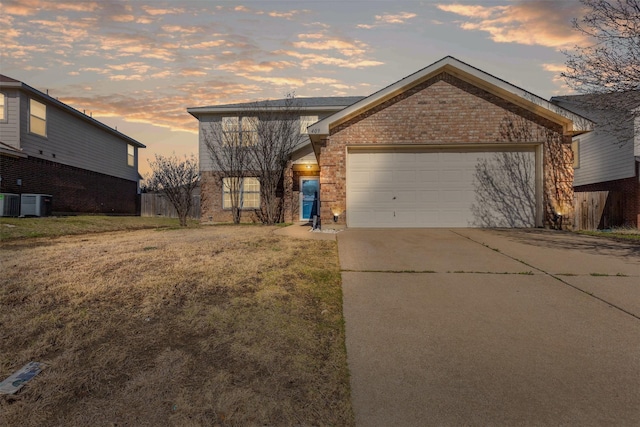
[{"x": 139, "y": 64}]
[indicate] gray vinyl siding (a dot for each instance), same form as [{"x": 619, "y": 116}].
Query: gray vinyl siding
[
  {"x": 603, "y": 159},
  {"x": 75, "y": 142},
  {"x": 206, "y": 164},
  {"x": 205, "y": 121},
  {"x": 10, "y": 129}
]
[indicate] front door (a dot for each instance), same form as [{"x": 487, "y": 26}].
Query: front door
[{"x": 309, "y": 192}]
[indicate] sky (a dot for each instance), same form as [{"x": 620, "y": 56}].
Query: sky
[{"x": 138, "y": 65}]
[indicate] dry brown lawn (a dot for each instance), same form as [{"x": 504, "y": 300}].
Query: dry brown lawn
[{"x": 222, "y": 325}]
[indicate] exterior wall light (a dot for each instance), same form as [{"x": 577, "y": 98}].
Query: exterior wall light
[{"x": 336, "y": 213}]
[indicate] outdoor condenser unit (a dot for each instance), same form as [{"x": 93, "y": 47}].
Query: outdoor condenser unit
[
  {"x": 35, "y": 204},
  {"x": 9, "y": 204}
]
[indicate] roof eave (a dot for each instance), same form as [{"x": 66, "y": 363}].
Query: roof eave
[
  {"x": 571, "y": 122},
  {"x": 199, "y": 111}
]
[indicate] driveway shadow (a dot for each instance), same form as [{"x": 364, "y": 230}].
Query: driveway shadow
[{"x": 555, "y": 239}]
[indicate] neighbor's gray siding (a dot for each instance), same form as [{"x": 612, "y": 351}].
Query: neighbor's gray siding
[
  {"x": 75, "y": 142},
  {"x": 602, "y": 159},
  {"x": 10, "y": 129}
]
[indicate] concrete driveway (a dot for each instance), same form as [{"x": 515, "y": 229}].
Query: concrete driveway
[{"x": 487, "y": 327}]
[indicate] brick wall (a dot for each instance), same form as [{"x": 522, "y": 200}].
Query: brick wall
[
  {"x": 629, "y": 191},
  {"x": 74, "y": 190},
  {"x": 211, "y": 202},
  {"x": 441, "y": 110}
]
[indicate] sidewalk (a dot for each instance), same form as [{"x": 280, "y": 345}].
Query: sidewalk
[{"x": 302, "y": 230}]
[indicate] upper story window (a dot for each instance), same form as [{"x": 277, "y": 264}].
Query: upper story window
[
  {"x": 305, "y": 122},
  {"x": 238, "y": 130},
  {"x": 37, "y": 118},
  {"x": 131, "y": 155},
  {"x": 3, "y": 107}
]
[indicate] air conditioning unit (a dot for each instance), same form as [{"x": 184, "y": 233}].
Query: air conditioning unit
[
  {"x": 9, "y": 204},
  {"x": 35, "y": 204}
]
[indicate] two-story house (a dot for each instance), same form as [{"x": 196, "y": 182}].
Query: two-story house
[
  {"x": 303, "y": 180},
  {"x": 608, "y": 159},
  {"x": 418, "y": 153},
  {"x": 48, "y": 147}
]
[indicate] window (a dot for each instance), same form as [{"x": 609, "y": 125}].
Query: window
[
  {"x": 249, "y": 193},
  {"x": 575, "y": 147},
  {"x": 249, "y": 128},
  {"x": 3, "y": 107},
  {"x": 131, "y": 155},
  {"x": 37, "y": 118},
  {"x": 305, "y": 122},
  {"x": 240, "y": 129}
]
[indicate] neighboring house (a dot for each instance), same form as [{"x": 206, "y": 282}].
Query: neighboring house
[
  {"x": 410, "y": 154},
  {"x": 48, "y": 147},
  {"x": 607, "y": 159}
]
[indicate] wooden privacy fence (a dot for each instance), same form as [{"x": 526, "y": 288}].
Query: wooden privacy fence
[
  {"x": 154, "y": 204},
  {"x": 597, "y": 210}
]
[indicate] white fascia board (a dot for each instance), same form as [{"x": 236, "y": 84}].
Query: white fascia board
[{"x": 473, "y": 76}]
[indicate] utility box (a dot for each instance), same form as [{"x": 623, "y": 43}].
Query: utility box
[
  {"x": 35, "y": 204},
  {"x": 9, "y": 204}
]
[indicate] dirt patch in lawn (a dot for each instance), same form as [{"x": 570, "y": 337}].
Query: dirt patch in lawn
[{"x": 216, "y": 325}]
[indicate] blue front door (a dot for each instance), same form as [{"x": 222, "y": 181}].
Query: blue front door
[{"x": 309, "y": 192}]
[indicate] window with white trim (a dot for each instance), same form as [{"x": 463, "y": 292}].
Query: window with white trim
[
  {"x": 3, "y": 107},
  {"x": 305, "y": 122},
  {"x": 236, "y": 130},
  {"x": 131, "y": 155},
  {"x": 249, "y": 193},
  {"x": 575, "y": 147},
  {"x": 37, "y": 118}
]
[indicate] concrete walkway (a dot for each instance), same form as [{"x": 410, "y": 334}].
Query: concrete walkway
[
  {"x": 304, "y": 230},
  {"x": 482, "y": 327}
]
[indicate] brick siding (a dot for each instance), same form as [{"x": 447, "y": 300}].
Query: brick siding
[
  {"x": 211, "y": 204},
  {"x": 74, "y": 190},
  {"x": 211, "y": 201},
  {"x": 440, "y": 110}
]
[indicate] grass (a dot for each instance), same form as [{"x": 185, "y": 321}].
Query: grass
[
  {"x": 217, "y": 325},
  {"x": 21, "y": 228},
  {"x": 627, "y": 234}
]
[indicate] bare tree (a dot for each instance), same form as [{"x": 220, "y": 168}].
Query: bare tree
[
  {"x": 505, "y": 191},
  {"x": 278, "y": 132},
  {"x": 177, "y": 179},
  {"x": 610, "y": 65},
  {"x": 505, "y": 184},
  {"x": 256, "y": 144},
  {"x": 228, "y": 147}
]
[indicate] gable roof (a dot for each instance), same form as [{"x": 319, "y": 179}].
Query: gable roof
[
  {"x": 329, "y": 103},
  {"x": 572, "y": 123},
  {"x": 8, "y": 82}
]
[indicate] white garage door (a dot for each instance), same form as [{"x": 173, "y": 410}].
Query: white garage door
[{"x": 441, "y": 189}]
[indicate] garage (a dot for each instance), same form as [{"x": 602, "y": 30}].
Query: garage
[{"x": 471, "y": 187}]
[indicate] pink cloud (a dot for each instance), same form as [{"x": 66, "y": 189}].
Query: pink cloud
[
  {"x": 251, "y": 66},
  {"x": 161, "y": 11},
  {"x": 537, "y": 22},
  {"x": 389, "y": 19},
  {"x": 31, "y": 7}
]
